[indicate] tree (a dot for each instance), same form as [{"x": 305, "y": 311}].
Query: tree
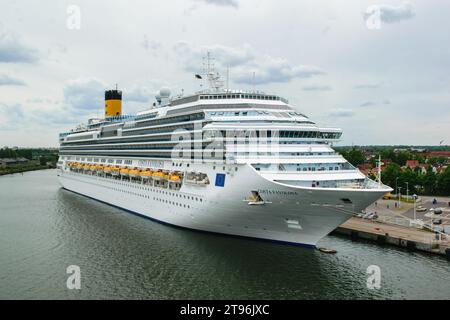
[
  {"x": 429, "y": 182},
  {"x": 390, "y": 174},
  {"x": 443, "y": 183},
  {"x": 354, "y": 156}
]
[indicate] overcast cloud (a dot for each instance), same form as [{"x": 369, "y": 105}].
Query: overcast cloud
[{"x": 386, "y": 85}]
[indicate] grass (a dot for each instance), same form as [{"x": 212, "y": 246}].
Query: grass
[{"x": 31, "y": 166}]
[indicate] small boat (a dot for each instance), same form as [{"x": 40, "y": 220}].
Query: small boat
[
  {"x": 115, "y": 171},
  {"x": 174, "y": 177},
  {"x": 124, "y": 172},
  {"x": 158, "y": 175},
  {"x": 326, "y": 250},
  {"x": 134, "y": 172},
  {"x": 147, "y": 174}
]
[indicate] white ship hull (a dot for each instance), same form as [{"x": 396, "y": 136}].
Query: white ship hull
[{"x": 290, "y": 214}]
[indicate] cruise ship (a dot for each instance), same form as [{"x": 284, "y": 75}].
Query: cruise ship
[{"x": 241, "y": 163}]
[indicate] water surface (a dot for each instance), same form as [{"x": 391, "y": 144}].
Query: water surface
[{"x": 44, "y": 229}]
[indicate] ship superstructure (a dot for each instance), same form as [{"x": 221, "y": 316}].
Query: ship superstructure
[{"x": 232, "y": 162}]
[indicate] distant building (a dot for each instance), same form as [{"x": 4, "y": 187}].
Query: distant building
[
  {"x": 418, "y": 150},
  {"x": 445, "y": 154},
  {"x": 412, "y": 164},
  {"x": 12, "y": 162},
  {"x": 365, "y": 168},
  {"x": 440, "y": 169}
]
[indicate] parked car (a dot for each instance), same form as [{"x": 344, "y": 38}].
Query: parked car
[
  {"x": 437, "y": 221},
  {"x": 437, "y": 210},
  {"x": 421, "y": 209}
]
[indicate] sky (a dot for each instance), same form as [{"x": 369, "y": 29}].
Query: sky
[{"x": 378, "y": 70}]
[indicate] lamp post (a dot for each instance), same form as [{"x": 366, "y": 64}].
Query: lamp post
[
  {"x": 407, "y": 191},
  {"x": 396, "y": 189}
]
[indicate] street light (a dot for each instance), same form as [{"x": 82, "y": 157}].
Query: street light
[
  {"x": 396, "y": 187},
  {"x": 414, "y": 197},
  {"x": 396, "y": 190},
  {"x": 407, "y": 191}
]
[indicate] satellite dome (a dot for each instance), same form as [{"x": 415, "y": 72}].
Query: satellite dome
[{"x": 164, "y": 92}]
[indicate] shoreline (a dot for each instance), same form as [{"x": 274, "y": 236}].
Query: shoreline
[{"x": 22, "y": 170}]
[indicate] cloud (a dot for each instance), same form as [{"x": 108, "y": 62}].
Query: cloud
[
  {"x": 223, "y": 3},
  {"x": 372, "y": 103},
  {"x": 84, "y": 94},
  {"x": 316, "y": 87},
  {"x": 367, "y": 86},
  {"x": 341, "y": 113},
  {"x": 138, "y": 94},
  {"x": 367, "y": 104},
  {"x": 152, "y": 46},
  {"x": 12, "y": 50},
  {"x": 248, "y": 66},
  {"x": 56, "y": 117},
  {"x": 391, "y": 14},
  {"x": 191, "y": 57},
  {"x": 12, "y": 116},
  {"x": 6, "y": 80},
  {"x": 270, "y": 70}
]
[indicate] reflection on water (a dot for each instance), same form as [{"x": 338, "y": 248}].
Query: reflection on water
[{"x": 44, "y": 229}]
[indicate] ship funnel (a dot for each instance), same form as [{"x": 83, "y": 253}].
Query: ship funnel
[{"x": 113, "y": 103}]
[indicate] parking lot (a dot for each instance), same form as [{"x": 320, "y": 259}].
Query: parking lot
[{"x": 388, "y": 209}]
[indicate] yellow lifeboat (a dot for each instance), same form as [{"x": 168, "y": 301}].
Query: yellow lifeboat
[
  {"x": 92, "y": 167},
  {"x": 124, "y": 171},
  {"x": 134, "y": 172},
  {"x": 174, "y": 177},
  {"x": 158, "y": 175},
  {"x": 115, "y": 170},
  {"x": 146, "y": 174}
]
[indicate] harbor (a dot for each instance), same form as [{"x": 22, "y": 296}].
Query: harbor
[{"x": 403, "y": 226}]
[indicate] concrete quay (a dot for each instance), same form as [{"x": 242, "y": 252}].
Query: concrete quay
[{"x": 394, "y": 227}]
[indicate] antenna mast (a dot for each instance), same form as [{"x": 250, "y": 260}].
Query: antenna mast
[
  {"x": 213, "y": 77},
  {"x": 379, "y": 163}
]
